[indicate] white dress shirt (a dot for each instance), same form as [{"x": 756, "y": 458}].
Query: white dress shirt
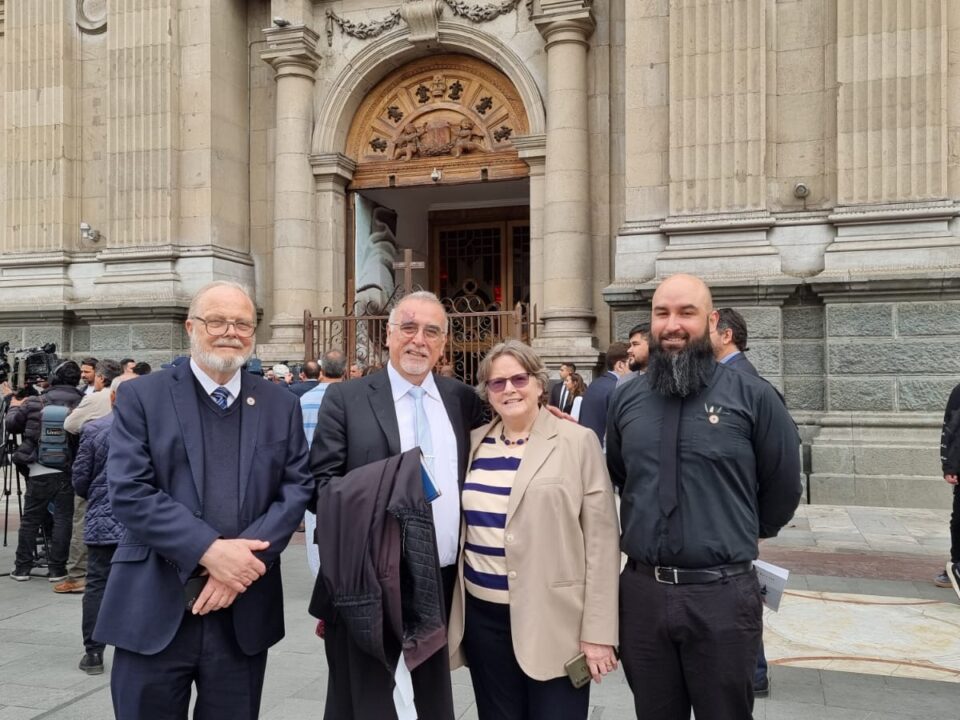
[
  {"x": 446, "y": 508},
  {"x": 209, "y": 384}
]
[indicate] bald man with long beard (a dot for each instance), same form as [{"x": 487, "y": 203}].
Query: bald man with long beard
[{"x": 707, "y": 462}]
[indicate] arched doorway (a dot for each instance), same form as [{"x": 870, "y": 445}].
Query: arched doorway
[{"x": 437, "y": 174}]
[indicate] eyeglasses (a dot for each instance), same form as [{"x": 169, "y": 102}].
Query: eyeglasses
[
  {"x": 218, "y": 326},
  {"x": 409, "y": 330},
  {"x": 519, "y": 382}
]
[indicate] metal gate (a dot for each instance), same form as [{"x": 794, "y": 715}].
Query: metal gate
[{"x": 473, "y": 330}]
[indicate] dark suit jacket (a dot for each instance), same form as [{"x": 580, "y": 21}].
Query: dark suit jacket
[
  {"x": 155, "y": 481},
  {"x": 593, "y": 409},
  {"x": 357, "y": 424},
  {"x": 300, "y": 388},
  {"x": 740, "y": 362}
]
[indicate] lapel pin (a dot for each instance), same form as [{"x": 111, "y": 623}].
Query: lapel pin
[
  {"x": 251, "y": 402},
  {"x": 714, "y": 419}
]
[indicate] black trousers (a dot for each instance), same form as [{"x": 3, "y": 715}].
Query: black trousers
[
  {"x": 502, "y": 690},
  {"x": 955, "y": 526},
  {"x": 690, "y": 646},
  {"x": 42, "y": 490},
  {"x": 204, "y": 651},
  {"x": 98, "y": 570},
  {"x": 359, "y": 687}
]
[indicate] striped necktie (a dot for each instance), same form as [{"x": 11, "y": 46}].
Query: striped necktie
[{"x": 220, "y": 397}]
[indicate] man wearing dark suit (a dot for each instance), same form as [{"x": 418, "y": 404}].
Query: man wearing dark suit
[
  {"x": 559, "y": 395},
  {"x": 730, "y": 341},
  {"x": 593, "y": 411},
  {"x": 208, "y": 472},
  {"x": 309, "y": 378},
  {"x": 376, "y": 417}
]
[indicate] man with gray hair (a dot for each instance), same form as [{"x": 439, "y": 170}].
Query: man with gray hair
[
  {"x": 207, "y": 471},
  {"x": 374, "y": 418}
]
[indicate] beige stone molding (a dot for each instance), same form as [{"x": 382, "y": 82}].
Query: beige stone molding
[
  {"x": 292, "y": 50},
  {"x": 336, "y": 108},
  {"x": 576, "y": 28},
  {"x": 481, "y": 13},
  {"x": 531, "y": 148},
  {"x": 911, "y": 286},
  {"x": 423, "y": 19},
  {"x": 558, "y": 7}
]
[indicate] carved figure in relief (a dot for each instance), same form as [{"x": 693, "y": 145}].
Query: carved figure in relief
[
  {"x": 439, "y": 86},
  {"x": 466, "y": 139},
  {"x": 407, "y": 143}
]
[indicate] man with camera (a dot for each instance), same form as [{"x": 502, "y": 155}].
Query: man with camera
[{"x": 44, "y": 485}]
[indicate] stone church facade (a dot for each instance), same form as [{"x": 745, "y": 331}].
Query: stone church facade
[{"x": 801, "y": 155}]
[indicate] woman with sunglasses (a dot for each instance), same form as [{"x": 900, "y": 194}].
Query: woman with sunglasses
[{"x": 539, "y": 559}]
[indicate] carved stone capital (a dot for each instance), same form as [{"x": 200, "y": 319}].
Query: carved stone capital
[
  {"x": 423, "y": 19},
  {"x": 558, "y": 29},
  {"x": 292, "y": 50},
  {"x": 335, "y": 168}
]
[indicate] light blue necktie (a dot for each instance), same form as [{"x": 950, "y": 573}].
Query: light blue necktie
[
  {"x": 424, "y": 439},
  {"x": 220, "y": 397}
]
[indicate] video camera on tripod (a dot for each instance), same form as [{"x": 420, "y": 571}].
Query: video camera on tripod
[{"x": 29, "y": 366}]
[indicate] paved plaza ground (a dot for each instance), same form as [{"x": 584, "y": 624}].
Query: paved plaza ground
[{"x": 863, "y": 634}]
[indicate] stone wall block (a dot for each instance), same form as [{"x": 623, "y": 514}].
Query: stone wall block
[
  {"x": 866, "y": 319},
  {"x": 765, "y": 358},
  {"x": 880, "y": 460},
  {"x": 12, "y": 335},
  {"x": 924, "y": 394},
  {"x": 803, "y": 358},
  {"x": 762, "y": 322},
  {"x": 920, "y": 357},
  {"x": 935, "y": 319},
  {"x": 153, "y": 337},
  {"x": 833, "y": 459},
  {"x": 804, "y": 393},
  {"x": 37, "y": 336},
  {"x": 626, "y": 321},
  {"x": 109, "y": 338},
  {"x": 802, "y": 322},
  {"x": 861, "y": 394},
  {"x": 80, "y": 341}
]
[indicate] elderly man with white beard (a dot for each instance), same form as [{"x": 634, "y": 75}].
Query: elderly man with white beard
[
  {"x": 707, "y": 461},
  {"x": 207, "y": 470}
]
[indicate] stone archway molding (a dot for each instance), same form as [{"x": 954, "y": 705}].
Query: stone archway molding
[{"x": 336, "y": 110}]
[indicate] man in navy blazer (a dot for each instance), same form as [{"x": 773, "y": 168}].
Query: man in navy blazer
[
  {"x": 593, "y": 409},
  {"x": 208, "y": 473}
]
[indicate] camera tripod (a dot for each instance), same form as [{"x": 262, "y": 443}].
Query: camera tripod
[{"x": 11, "y": 477}]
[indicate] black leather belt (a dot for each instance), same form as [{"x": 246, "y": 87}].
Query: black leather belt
[{"x": 687, "y": 576}]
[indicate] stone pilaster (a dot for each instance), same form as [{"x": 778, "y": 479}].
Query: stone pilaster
[
  {"x": 892, "y": 156},
  {"x": 332, "y": 173},
  {"x": 717, "y": 106},
  {"x": 568, "y": 311},
  {"x": 39, "y": 175},
  {"x": 532, "y": 149},
  {"x": 292, "y": 53},
  {"x": 892, "y": 73},
  {"x": 143, "y": 123},
  {"x": 718, "y": 125}
]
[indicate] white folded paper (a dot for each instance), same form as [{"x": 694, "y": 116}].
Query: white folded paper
[{"x": 773, "y": 581}]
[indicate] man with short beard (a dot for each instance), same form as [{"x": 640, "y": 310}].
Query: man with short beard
[
  {"x": 638, "y": 352},
  {"x": 207, "y": 471},
  {"x": 374, "y": 418},
  {"x": 707, "y": 461}
]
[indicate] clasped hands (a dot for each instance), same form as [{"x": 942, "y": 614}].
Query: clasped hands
[{"x": 232, "y": 567}]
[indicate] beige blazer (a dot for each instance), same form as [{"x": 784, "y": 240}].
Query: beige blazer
[{"x": 562, "y": 547}]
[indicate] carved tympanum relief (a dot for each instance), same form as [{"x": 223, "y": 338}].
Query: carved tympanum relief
[{"x": 441, "y": 109}]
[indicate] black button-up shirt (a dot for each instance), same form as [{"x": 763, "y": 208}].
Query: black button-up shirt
[{"x": 739, "y": 469}]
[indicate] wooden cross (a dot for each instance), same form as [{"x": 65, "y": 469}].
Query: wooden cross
[{"x": 408, "y": 266}]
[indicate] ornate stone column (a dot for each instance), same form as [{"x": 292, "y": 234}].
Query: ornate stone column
[
  {"x": 568, "y": 312},
  {"x": 291, "y": 51},
  {"x": 332, "y": 173},
  {"x": 532, "y": 150}
]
